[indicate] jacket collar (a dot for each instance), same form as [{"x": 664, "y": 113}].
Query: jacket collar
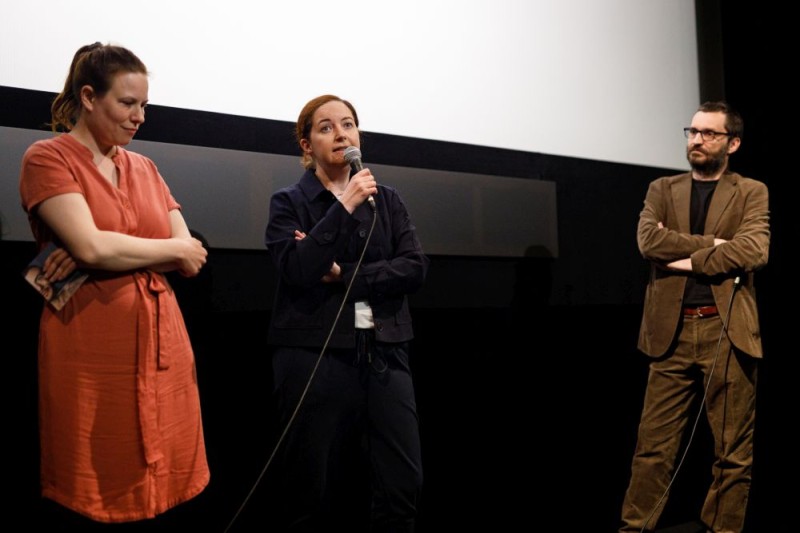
[
  {"x": 311, "y": 186},
  {"x": 727, "y": 185}
]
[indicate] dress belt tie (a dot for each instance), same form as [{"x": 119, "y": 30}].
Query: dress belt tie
[{"x": 151, "y": 359}]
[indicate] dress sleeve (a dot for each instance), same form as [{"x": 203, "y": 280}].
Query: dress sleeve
[{"x": 43, "y": 174}]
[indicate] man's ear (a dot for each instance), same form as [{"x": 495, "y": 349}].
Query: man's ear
[{"x": 734, "y": 144}]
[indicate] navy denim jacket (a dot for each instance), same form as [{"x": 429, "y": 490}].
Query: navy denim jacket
[{"x": 393, "y": 266}]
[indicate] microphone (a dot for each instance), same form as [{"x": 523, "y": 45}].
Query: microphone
[{"x": 353, "y": 156}]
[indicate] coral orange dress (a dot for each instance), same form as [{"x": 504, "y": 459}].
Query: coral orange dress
[{"x": 119, "y": 410}]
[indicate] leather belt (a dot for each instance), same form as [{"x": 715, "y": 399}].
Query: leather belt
[{"x": 701, "y": 311}]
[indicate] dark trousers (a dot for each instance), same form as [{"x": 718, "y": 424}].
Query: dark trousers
[
  {"x": 700, "y": 358},
  {"x": 350, "y": 460}
]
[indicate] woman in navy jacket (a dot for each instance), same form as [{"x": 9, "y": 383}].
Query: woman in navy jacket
[{"x": 347, "y": 256}]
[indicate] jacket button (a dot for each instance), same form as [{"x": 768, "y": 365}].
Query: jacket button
[
  {"x": 328, "y": 236},
  {"x": 379, "y": 325}
]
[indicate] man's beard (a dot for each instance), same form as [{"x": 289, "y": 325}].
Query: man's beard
[{"x": 713, "y": 163}]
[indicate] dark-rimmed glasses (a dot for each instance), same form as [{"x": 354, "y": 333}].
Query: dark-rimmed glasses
[{"x": 706, "y": 135}]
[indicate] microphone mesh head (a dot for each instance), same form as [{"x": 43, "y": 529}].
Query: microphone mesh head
[{"x": 351, "y": 153}]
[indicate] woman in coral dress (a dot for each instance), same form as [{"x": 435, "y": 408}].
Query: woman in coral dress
[{"x": 119, "y": 410}]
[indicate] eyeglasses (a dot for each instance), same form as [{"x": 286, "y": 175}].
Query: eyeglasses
[{"x": 706, "y": 135}]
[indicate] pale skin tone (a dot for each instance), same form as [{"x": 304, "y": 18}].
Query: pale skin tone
[
  {"x": 105, "y": 122},
  {"x": 699, "y": 150},
  {"x": 57, "y": 266},
  {"x": 333, "y": 128}
]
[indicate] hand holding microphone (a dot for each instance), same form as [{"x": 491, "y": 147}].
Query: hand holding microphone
[{"x": 353, "y": 156}]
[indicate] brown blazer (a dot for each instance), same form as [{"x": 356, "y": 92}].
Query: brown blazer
[{"x": 739, "y": 213}]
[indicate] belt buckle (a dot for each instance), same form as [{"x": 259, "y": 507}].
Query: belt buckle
[{"x": 699, "y": 312}]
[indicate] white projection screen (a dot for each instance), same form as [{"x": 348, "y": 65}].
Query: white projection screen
[{"x": 610, "y": 81}]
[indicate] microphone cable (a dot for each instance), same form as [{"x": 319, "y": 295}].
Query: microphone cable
[
  {"x": 723, "y": 330},
  {"x": 313, "y": 371}
]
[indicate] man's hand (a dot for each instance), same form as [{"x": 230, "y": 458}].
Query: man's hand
[
  {"x": 685, "y": 265},
  {"x": 682, "y": 265}
]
